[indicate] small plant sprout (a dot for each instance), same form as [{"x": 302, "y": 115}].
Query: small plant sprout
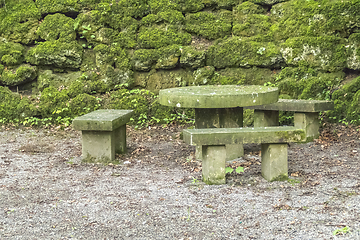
[
  {"x": 342, "y": 231},
  {"x": 230, "y": 170}
]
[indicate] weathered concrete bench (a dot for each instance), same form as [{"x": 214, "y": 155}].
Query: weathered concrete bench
[
  {"x": 306, "y": 114},
  {"x": 273, "y": 141},
  {"x": 103, "y": 133}
]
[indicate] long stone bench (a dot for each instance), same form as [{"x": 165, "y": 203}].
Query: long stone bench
[
  {"x": 103, "y": 133},
  {"x": 273, "y": 141},
  {"x": 306, "y": 114}
]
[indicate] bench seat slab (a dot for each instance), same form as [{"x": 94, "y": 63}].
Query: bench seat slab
[
  {"x": 274, "y": 164},
  {"x": 297, "y": 105}
]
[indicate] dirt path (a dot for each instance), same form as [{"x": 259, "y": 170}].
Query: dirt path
[{"x": 156, "y": 192}]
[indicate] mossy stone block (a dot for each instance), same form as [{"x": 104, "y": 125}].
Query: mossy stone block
[
  {"x": 20, "y": 75},
  {"x": 327, "y": 53},
  {"x": 57, "y": 26},
  {"x": 235, "y": 52},
  {"x": 274, "y": 161},
  {"x": 56, "y": 53},
  {"x": 296, "y": 105},
  {"x": 213, "y": 164}
]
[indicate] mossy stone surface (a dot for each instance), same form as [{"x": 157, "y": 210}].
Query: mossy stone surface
[
  {"x": 19, "y": 75},
  {"x": 56, "y": 53},
  {"x": 11, "y": 53},
  {"x": 203, "y": 76},
  {"x": 161, "y": 36},
  {"x": 57, "y": 26},
  {"x": 13, "y": 106},
  {"x": 49, "y": 78},
  {"x": 19, "y": 21},
  {"x": 162, "y": 79},
  {"x": 192, "y": 57},
  {"x": 235, "y": 52},
  {"x": 241, "y": 76},
  {"x": 327, "y": 53},
  {"x": 208, "y": 25},
  {"x": 59, "y": 6},
  {"x": 222, "y": 96}
]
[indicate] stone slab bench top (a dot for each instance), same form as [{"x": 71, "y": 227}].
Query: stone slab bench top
[
  {"x": 102, "y": 120},
  {"x": 222, "y": 136},
  {"x": 295, "y": 105},
  {"x": 219, "y": 96}
]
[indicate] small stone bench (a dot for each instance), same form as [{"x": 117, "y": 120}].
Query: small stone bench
[
  {"x": 103, "y": 133},
  {"x": 306, "y": 114},
  {"x": 273, "y": 142}
]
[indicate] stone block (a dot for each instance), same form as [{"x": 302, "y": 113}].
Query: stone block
[
  {"x": 274, "y": 164},
  {"x": 309, "y": 122},
  {"x": 213, "y": 164},
  {"x": 265, "y": 118}
]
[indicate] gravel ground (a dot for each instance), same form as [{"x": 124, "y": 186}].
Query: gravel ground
[{"x": 156, "y": 192}]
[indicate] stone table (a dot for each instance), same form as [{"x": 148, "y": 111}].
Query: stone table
[{"x": 219, "y": 106}]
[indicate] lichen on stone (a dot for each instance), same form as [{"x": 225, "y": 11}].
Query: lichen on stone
[{"x": 326, "y": 53}]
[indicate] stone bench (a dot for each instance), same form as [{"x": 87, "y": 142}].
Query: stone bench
[
  {"x": 306, "y": 114},
  {"x": 103, "y": 133},
  {"x": 273, "y": 142}
]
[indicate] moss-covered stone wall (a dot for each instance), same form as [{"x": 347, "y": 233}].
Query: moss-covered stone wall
[{"x": 310, "y": 49}]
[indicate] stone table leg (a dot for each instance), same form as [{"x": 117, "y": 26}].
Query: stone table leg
[
  {"x": 120, "y": 139},
  {"x": 213, "y": 164},
  {"x": 274, "y": 164},
  {"x": 308, "y": 121},
  {"x": 99, "y": 145},
  {"x": 266, "y": 118},
  {"x": 220, "y": 118}
]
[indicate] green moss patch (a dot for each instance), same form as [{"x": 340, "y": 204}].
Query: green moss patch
[
  {"x": 14, "y": 107},
  {"x": 209, "y": 25},
  {"x": 19, "y": 21},
  {"x": 57, "y": 26},
  {"x": 11, "y": 53},
  {"x": 161, "y": 36},
  {"x": 56, "y": 53},
  {"x": 20, "y": 75},
  {"x": 243, "y": 76},
  {"x": 238, "y": 53}
]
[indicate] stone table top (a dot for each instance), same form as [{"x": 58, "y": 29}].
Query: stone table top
[{"x": 218, "y": 96}]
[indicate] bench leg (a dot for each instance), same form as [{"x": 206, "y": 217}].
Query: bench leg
[
  {"x": 99, "y": 145},
  {"x": 120, "y": 139},
  {"x": 220, "y": 118},
  {"x": 274, "y": 164},
  {"x": 309, "y": 122},
  {"x": 213, "y": 164},
  {"x": 266, "y": 118}
]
